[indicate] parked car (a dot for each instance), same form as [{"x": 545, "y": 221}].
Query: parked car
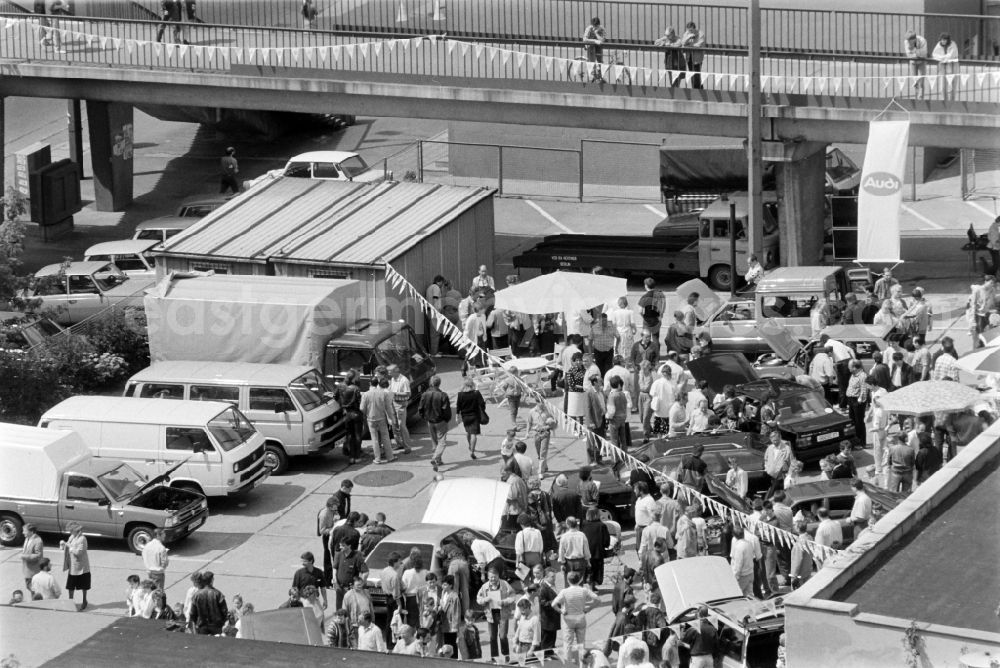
[
  {"x": 837, "y": 496},
  {"x": 199, "y": 206},
  {"x": 716, "y": 457},
  {"x": 615, "y": 495},
  {"x": 83, "y": 289},
  {"x": 748, "y": 628},
  {"x": 721, "y": 437},
  {"x": 806, "y": 419},
  {"x": 325, "y": 166},
  {"x": 460, "y": 511},
  {"x": 21, "y": 331},
  {"x": 163, "y": 228},
  {"x": 131, "y": 256}
]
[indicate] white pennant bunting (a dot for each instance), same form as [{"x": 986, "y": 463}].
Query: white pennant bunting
[
  {"x": 157, "y": 50},
  {"x": 335, "y": 53},
  {"x": 182, "y": 51},
  {"x": 963, "y": 79},
  {"x": 252, "y": 56},
  {"x": 764, "y": 82},
  {"x": 279, "y": 56},
  {"x": 837, "y": 83},
  {"x": 465, "y": 46},
  {"x": 296, "y": 55},
  {"x": 130, "y": 46},
  {"x": 981, "y": 78},
  {"x": 821, "y": 85},
  {"x": 707, "y": 79},
  {"x": 324, "y": 55},
  {"x": 363, "y": 50},
  {"x": 377, "y": 49},
  {"x": 505, "y": 57},
  {"x": 996, "y": 78},
  {"x": 451, "y": 46},
  {"x": 478, "y": 51},
  {"x": 533, "y": 61},
  {"x": 806, "y": 84},
  {"x": 104, "y": 42},
  {"x": 520, "y": 59}
]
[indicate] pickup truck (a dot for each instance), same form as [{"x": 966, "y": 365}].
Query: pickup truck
[{"x": 50, "y": 479}]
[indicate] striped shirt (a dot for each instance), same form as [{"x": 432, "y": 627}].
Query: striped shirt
[
  {"x": 574, "y": 600},
  {"x": 603, "y": 338}
]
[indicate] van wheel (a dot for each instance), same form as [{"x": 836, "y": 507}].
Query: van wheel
[
  {"x": 275, "y": 459},
  {"x": 11, "y": 530},
  {"x": 720, "y": 277},
  {"x": 138, "y": 536}
]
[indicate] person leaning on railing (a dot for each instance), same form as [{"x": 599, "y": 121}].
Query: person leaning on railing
[
  {"x": 673, "y": 57},
  {"x": 915, "y": 47}
]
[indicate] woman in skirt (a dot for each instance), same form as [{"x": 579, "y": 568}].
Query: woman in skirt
[{"x": 77, "y": 562}]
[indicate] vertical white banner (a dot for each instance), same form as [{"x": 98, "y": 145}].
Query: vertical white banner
[{"x": 881, "y": 191}]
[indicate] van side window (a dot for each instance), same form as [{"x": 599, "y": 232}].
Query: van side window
[
  {"x": 215, "y": 393},
  {"x": 190, "y": 439},
  {"x": 82, "y": 488},
  {"x": 161, "y": 391},
  {"x": 271, "y": 400},
  {"x": 129, "y": 263}
]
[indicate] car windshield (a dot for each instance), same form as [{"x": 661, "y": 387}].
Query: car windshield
[
  {"x": 231, "y": 428},
  {"x": 122, "y": 481},
  {"x": 800, "y": 407},
  {"x": 311, "y": 390},
  {"x": 109, "y": 277},
  {"x": 396, "y": 350},
  {"x": 353, "y": 166},
  {"x": 379, "y": 558}
]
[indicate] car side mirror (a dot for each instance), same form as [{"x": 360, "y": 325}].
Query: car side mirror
[{"x": 105, "y": 501}]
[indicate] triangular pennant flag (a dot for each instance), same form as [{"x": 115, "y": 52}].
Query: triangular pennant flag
[
  {"x": 733, "y": 80},
  {"x": 224, "y": 58},
  {"x": 350, "y": 53},
  {"x": 950, "y": 78},
  {"x": 157, "y": 50},
  {"x": 837, "y": 83},
  {"x": 309, "y": 57},
  {"x": 707, "y": 79},
  {"x": 932, "y": 83},
  {"x": 451, "y": 46},
  {"x": 182, "y": 51},
  {"x": 505, "y": 57},
  {"x": 996, "y": 78},
  {"x": 609, "y": 72},
  {"x": 981, "y": 78},
  {"x": 363, "y": 50},
  {"x": 90, "y": 39},
  {"x": 821, "y": 85},
  {"x": 764, "y": 82},
  {"x": 335, "y": 53},
  {"x": 520, "y": 59},
  {"x": 806, "y": 84},
  {"x": 963, "y": 79},
  {"x": 404, "y": 43},
  {"x": 5, "y": 24},
  {"x": 778, "y": 84},
  {"x": 252, "y": 56},
  {"x": 664, "y": 76},
  {"x": 886, "y": 83},
  {"x": 417, "y": 41},
  {"x": 547, "y": 63},
  {"x": 116, "y": 43},
  {"x": 104, "y": 42},
  {"x": 852, "y": 85},
  {"x": 533, "y": 61},
  {"x": 130, "y": 46},
  {"x": 324, "y": 55},
  {"x": 391, "y": 45},
  {"x": 465, "y": 49},
  {"x": 477, "y": 51},
  {"x": 279, "y": 56},
  {"x": 377, "y": 49},
  {"x": 296, "y": 55},
  {"x": 633, "y": 74}
]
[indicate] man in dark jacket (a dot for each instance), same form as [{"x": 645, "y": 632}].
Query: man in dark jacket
[
  {"x": 548, "y": 617},
  {"x": 208, "y": 607},
  {"x": 170, "y": 12},
  {"x": 435, "y": 407},
  {"x": 880, "y": 373},
  {"x": 343, "y": 498},
  {"x": 900, "y": 373},
  {"x": 565, "y": 502},
  {"x": 599, "y": 540},
  {"x": 928, "y": 459}
]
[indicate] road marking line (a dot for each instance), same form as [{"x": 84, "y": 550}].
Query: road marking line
[
  {"x": 982, "y": 208},
  {"x": 547, "y": 216},
  {"x": 921, "y": 217},
  {"x": 173, "y": 558},
  {"x": 655, "y": 211}
]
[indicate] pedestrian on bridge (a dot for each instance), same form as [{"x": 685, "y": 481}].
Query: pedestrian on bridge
[
  {"x": 915, "y": 47},
  {"x": 170, "y": 12},
  {"x": 693, "y": 41},
  {"x": 673, "y": 57},
  {"x": 593, "y": 41}
]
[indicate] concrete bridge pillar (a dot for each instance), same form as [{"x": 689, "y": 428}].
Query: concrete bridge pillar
[
  {"x": 801, "y": 188},
  {"x": 111, "y": 133}
]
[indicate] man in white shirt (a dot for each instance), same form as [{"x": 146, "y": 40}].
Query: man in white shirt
[
  {"x": 678, "y": 375},
  {"x": 861, "y": 511},
  {"x": 154, "y": 556},
  {"x": 619, "y": 370},
  {"x": 828, "y": 533},
  {"x": 821, "y": 369},
  {"x": 646, "y": 510},
  {"x": 578, "y": 322},
  {"x": 574, "y": 549},
  {"x": 690, "y": 311},
  {"x": 399, "y": 386},
  {"x": 482, "y": 280},
  {"x": 370, "y": 638},
  {"x": 528, "y": 545},
  {"x": 842, "y": 356},
  {"x": 487, "y": 556},
  {"x": 741, "y": 559},
  {"x": 650, "y": 534},
  {"x": 737, "y": 478},
  {"x": 878, "y": 425},
  {"x": 43, "y": 583}
]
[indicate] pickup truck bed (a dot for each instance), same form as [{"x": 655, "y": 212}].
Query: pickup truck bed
[{"x": 616, "y": 254}]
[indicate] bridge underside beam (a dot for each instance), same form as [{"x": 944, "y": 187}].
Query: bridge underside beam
[{"x": 958, "y": 125}]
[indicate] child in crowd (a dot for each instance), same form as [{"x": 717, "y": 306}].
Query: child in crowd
[
  {"x": 16, "y": 596},
  {"x": 132, "y": 592},
  {"x": 470, "y": 647}
]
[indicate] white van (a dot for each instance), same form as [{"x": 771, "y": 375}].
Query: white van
[
  {"x": 221, "y": 451},
  {"x": 291, "y": 405}
]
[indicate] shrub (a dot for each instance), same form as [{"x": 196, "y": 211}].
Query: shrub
[
  {"x": 30, "y": 387},
  {"x": 117, "y": 333}
]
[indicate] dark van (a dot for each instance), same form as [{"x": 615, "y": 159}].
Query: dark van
[{"x": 366, "y": 344}]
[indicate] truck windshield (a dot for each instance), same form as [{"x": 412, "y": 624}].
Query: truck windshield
[
  {"x": 801, "y": 407},
  {"x": 231, "y": 428},
  {"x": 398, "y": 349},
  {"x": 311, "y": 390},
  {"x": 122, "y": 481}
]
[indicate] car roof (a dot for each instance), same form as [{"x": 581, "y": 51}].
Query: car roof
[
  {"x": 365, "y": 332},
  {"x": 821, "y": 489},
  {"x": 127, "y": 410},
  {"x": 168, "y": 223},
  {"x": 323, "y": 156},
  {"x": 121, "y": 247},
  {"x": 206, "y": 198},
  {"x": 236, "y": 372},
  {"x": 81, "y": 268},
  {"x": 423, "y": 532}
]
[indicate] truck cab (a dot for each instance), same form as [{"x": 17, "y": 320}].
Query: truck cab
[
  {"x": 714, "y": 239},
  {"x": 366, "y": 344}
]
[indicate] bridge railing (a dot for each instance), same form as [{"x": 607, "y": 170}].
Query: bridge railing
[
  {"x": 634, "y": 70},
  {"x": 827, "y": 31}
]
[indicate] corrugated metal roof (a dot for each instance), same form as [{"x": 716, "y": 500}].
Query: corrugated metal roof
[{"x": 341, "y": 222}]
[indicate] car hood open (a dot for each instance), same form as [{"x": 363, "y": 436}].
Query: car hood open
[
  {"x": 468, "y": 502},
  {"x": 721, "y": 369},
  {"x": 781, "y": 341},
  {"x": 686, "y": 583}
]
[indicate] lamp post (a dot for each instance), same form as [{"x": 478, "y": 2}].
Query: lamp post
[{"x": 755, "y": 233}]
